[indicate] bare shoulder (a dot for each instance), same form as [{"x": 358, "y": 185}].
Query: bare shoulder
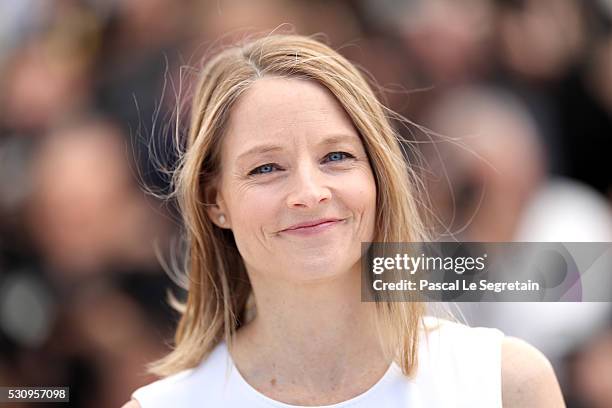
[
  {"x": 528, "y": 379},
  {"x": 131, "y": 404}
]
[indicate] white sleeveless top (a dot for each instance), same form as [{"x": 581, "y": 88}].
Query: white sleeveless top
[{"x": 458, "y": 366}]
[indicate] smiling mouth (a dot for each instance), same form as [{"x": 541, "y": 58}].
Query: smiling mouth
[{"x": 313, "y": 228}]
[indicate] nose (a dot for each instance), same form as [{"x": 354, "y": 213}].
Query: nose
[{"x": 308, "y": 188}]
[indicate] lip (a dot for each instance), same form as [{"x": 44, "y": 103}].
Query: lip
[{"x": 312, "y": 227}]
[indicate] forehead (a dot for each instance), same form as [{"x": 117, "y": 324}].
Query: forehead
[{"x": 277, "y": 109}]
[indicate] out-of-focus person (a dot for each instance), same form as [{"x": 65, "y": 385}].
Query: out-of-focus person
[{"x": 491, "y": 184}]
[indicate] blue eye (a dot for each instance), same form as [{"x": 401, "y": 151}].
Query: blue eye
[
  {"x": 338, "y": 156},
  {"x": 263, "y": 169}
]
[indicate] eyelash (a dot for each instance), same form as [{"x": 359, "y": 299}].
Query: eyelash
[{"x": 256, "y": 172}]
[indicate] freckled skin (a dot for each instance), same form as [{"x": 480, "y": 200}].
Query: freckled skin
[{"x": 319, "y": 169}]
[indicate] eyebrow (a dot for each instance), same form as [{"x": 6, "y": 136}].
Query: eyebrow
[{"x": 267, "y": 148}]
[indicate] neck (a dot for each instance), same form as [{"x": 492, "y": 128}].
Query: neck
[{"x": 319, "y": 335}]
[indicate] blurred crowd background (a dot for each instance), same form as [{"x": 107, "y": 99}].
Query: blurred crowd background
[{"x": 517, "y": 94}]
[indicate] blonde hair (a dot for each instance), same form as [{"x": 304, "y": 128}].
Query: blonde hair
[{"x": 219, "y": 288}]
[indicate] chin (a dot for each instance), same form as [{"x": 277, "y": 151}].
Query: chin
[{"x": 321, "y": 269}]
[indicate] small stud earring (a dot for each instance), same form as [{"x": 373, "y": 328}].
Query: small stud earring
[{"x": 222, "y": 219}]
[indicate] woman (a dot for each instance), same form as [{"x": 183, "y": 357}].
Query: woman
[{"x": 290, "y": 165}]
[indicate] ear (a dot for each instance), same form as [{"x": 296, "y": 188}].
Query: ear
[{"x": 216, "y": 208}]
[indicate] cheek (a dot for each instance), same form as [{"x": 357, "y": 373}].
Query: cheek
[
  {"x": 369, "y": 202},
  {"x": 252, "y": 210},
  {"x": 360, "y": 192},
  {"x": 252, "y": 215}
]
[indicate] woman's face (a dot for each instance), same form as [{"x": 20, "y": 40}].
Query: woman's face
[{"x": 292, "y": 157}]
